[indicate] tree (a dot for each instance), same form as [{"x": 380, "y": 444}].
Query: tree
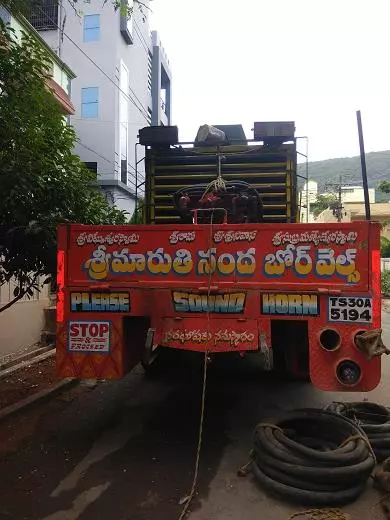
[
  {"x": 385, "y": 247},
  {"x": 384, "y": 186},
  {"x": 42, "y": 182},
  {"x": 323, "y": 202},
  {"x": 139, "y": 213}
]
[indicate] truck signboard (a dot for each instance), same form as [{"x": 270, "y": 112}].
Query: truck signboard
[{"x": 332, "y": 255}]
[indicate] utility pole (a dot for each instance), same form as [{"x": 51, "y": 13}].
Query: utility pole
[
  {"x": 340, "y": 206},
  {"x": 364, "y": 167}
]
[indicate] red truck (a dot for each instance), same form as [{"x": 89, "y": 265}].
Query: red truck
[{"x": 222, "y": 264}]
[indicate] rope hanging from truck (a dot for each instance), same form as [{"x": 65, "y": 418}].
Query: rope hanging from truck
[{"x": 189, "y": 498}]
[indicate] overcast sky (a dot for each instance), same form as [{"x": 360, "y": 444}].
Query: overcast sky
[{"x": 312, "y": 61}]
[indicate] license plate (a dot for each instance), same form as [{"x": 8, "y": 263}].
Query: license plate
[{"x": 350, "y": 309}]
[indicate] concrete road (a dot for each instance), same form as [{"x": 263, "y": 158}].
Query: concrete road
[{"x": 126, "y": 450}]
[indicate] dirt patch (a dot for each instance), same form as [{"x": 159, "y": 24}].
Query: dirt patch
[
  {"x": 386, "y": 304},
  {"x": 27, "y": 381}
]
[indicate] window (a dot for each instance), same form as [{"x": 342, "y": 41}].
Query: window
[
  {"x": 92, "y": 27},
  {"x": 89, "y": 102},
  {"x": 91, "y": 166},
  {"x": 44, "y": 16}
]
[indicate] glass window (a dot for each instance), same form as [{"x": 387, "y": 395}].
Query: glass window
[
  {"x": 89, "y": 102},
  {"x": 92, "y": 27}
]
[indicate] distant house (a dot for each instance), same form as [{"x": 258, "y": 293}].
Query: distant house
[
  {"x": 22, "y": 324},
  {"x": 353, "y": 211}
]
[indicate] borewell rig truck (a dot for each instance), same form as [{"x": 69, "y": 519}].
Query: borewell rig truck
[{"x": 221, "y": 263}]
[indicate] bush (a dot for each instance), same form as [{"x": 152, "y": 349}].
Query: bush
[
  {"x": 385, "y": 247},
  {"x": 385, "y": 280}
]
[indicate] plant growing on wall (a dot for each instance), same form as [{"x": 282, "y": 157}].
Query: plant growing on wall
[{"x": 42, "y": 182}]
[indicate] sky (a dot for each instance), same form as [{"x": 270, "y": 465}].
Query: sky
[{"x": 311, "y": 61}]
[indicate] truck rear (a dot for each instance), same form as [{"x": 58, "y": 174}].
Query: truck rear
[{"x": 221, "y": 264}]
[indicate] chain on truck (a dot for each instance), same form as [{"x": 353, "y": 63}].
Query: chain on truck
[{"x": 221, "y": 263}]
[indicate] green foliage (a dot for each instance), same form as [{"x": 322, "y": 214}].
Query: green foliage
[
  {"x": 385, "y": 247},
  {"x": 385, "y": 281},
  {"x": 378, "y": 169},
  {"x": 323, "y": 202},
  {"x": 42, "y": 182},
  {"x": 384, "y": 186},
  {"x": 138, "y": 215}
]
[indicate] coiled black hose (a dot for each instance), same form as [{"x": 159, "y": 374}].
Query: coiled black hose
[
  {"x": 312, "y": 457},
  {"x": 374, "y": 419}
]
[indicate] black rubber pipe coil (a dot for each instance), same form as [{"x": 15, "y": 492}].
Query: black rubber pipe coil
[{"x": 312, "y": 457}]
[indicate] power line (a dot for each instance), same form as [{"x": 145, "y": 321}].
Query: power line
[
  {"x": 112, "y": 163},
  {"x": 144, "y": 114},
  {"x": 96, "y": 153},
  {"x": 141, "y": 37}
]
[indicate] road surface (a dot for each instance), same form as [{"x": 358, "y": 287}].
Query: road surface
[{"x": 126, "y": 450}]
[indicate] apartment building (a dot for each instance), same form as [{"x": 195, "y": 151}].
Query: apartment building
[{"x": 123, "y": 83}]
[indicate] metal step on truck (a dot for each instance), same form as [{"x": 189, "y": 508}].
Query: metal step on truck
[{"x": 221, "y": 263}]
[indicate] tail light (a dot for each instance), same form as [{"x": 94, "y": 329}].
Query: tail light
[
  {"x": 348, "y": 372},
  {"x": 60, "y": 285}
]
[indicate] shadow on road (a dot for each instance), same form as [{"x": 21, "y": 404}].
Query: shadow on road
[{"x": 136, "y": 440}]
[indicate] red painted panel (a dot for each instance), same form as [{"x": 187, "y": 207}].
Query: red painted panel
[
  {"x": 213, "y": 334},
  {"x": 331, "y": 256},
  {"x": 259, "y": 273}
]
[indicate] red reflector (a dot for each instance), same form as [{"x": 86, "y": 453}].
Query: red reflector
[
  {"x": 61, "y": 268},
  {"x": 60, "y": 285},
  {"x": 376, "y": 286}
]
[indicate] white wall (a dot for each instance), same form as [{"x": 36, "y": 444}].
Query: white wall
[
  {"x": 135, "y": 57},
  {"x": 116, "y": 197},
  {"x": 356, "y": 194},
  {"x": 96, "y": 134},
  {"x": 101, "y": 135},
  {"x": 23, "y": 323}
]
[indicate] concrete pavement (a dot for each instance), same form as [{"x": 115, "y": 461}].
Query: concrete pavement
[{"x": 126, "y": 450}]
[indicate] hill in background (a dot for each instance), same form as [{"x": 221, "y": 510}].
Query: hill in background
[{"x": 378, "y": 169}]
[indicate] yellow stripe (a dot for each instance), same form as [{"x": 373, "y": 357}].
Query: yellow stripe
[
  {"x": 235, "y": 175},
  {"x": 213, "y": 167},
  {"x": 262, "y": 195},
  {"x": 274, "y": 206},
  {"x": 178, "y": 186}
]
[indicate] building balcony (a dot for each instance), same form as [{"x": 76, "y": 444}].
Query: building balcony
[{"x": 44, "y": 16}]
